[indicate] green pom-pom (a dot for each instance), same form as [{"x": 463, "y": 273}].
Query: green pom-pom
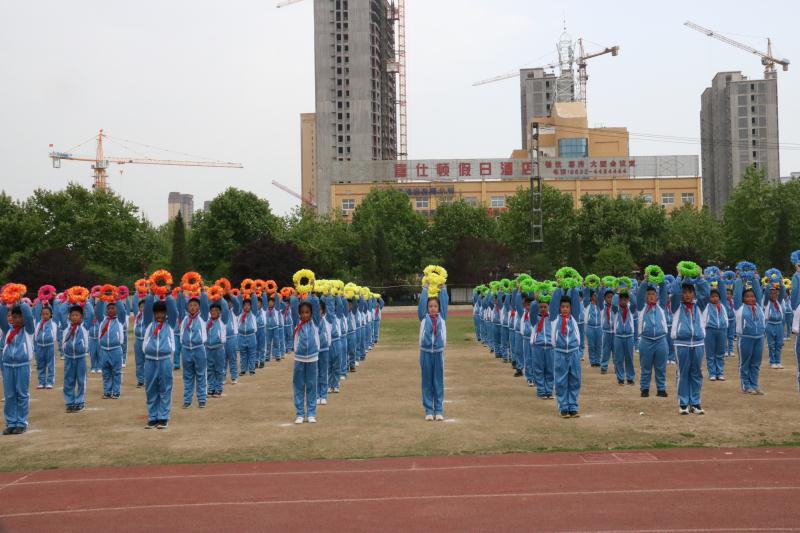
[
  {"x": 569, "y": 278},
  {"x": 592, "y": 281},
  {"x": 655, "y": 274},
  {"x": 528, "y": 285},
  {"x": 609, "y": 281},
  {"x": 689, "y": 269},
  {"x": 624, "y": 282},
  {"x": 494, "y": 286},
  {"x": 505, "y": 284}
]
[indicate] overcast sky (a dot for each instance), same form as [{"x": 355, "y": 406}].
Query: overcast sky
[{"x": 228, "y": 80}]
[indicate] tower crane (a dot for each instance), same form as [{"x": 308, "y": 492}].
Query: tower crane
[
  {"x": 101, "y": 161},
  {"x": 398, "y": 67},
  {"x": 583, "y": 76},
  {"x": 284, "y": 188},
  {"x": 767, "y": 59}
]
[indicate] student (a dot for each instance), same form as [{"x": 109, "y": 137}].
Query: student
[
  {"x": 261, "y": 333},
  {"x": 109, "y": 340},
  {"x": 247, "y": 336},
  {"x": 624, "y": 328},
  {"x": 351, "y": 336},
  {"x": 379, "y": 304},
  {"x": 94, "y": 333},
  {"x": 180, "y": 303},
  {"x": 505, "y": 311},
  {"x": 542, "y": 347},
  {"x": 788, "y": 313},
  {"x": 476, "y": 315},
  {"x": 232, "y": 339},
  {"x": 653, "y": 331},
  {"x": 17, "y": 356},
  {"x": 432, "y": 313},
  {"x": 324, "y": 355},
  {"x": 159, "y": 318},
  {"x": 44, "y": 349},
  {"x": 75, "y": 347},
  {"x": 526, "y": 332},
  {"x": 138, "y": 339},
  {"x": 273, "y": 329},
  {"x": 496, "y": 311},
  {"x": 607, "y": 321},
  {"x": 592, "y": 320},
  {"x": 565, "y": 333},
  {"x": 773, "y": 313},
  {"x": 514, "y": 335},
  {"x": 216, "y": 330},
  {"x": 689, "y": 337},
  {"x": 335, "y": 350},
  {"x": 306, "y": 359},
  {"x": 344, "y": 328},
  {"x": 291, "y": 316},
  {"x": 193, "y": 337},
  {"x": 731, "y": 319},
  {"x": 715, "y": 317},
  {"x": 750, "y": 327},
  {"x": 672, "y": 356}
]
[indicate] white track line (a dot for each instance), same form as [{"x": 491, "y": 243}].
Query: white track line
[
  {"x": 15, "y": 481},
  {"x": 433, "y": 497},
  {"x": 414, "y": 469}
]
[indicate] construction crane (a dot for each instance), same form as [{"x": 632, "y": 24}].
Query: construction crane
[
  {"x": 767, "y": 59},
  {"x": 565, "y": 65},
  {"x": 284, "y": 188},
  {"x": 101, "y": 161},
  {"x": 397, "y": 67}
]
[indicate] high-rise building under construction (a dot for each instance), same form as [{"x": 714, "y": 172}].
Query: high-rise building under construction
[{"x": 356, "y": 118}]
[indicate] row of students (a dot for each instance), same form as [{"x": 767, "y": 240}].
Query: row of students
[{"x": 209, "y": 335}]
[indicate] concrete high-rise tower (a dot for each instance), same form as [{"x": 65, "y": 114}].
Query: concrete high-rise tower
[
  {"x": 181, "y": 203},
  {"x": 355, "y": 119},
  {"x": 738, "y": 128}
]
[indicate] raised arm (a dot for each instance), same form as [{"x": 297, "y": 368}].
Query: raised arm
[
  {"x": 641, "y": 295},
  {"x": 702, "y": 292},
  {"x": 737, "y": 293},
  {"x": 237, "y": 305},
  {"x": 422, "y": 308},
  {"x": 27, "y": 318},
  {"x": 675, "y": 294},
  {"x": 226, "y": 310},
  {"x": 88, "y": 315},
  {"x": 796, "y": 290},
  {"x": 316, "y": 313},
  {"x": 122, "y": 311},
  {"x": 147, "y": 312},
  {"x": 575, "y": 293},
  {"x": 204, "y": 306},
  {"x": 173, "y": 314},
  {"x": 444, "y": 301},
  {"x": 4, "y": 325},
  {"x": 555, "y": 303}
]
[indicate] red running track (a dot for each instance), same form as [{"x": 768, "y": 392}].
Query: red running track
[{"x": 658, "y": 490}]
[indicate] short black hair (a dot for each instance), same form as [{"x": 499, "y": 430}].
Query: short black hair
[
  {"x": 748, "y": 290},
  {"x": 111, "y": 304},
  {"x": 651, "y": 288},
  {"x": 16, "y": 310},
  {"x": 141, "y": 303},
  {"x": 76, "y": 308},
  {"x": 322, "y": 306},
  {"x": 714, "y": 290},
  {"x": 687, "y": 287},
  {"x": 159, "y": 306},
  {"x": 625, "y": 295},
  {"x": 194, "y": 299},
  {"x": 305, "y": 304},
  {"x": 529, "y": 299},
  {"x": 566, "y": 299},
  {"x": 215, "y": 305}
]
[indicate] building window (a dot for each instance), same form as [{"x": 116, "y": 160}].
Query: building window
[
  {"x": 667, "y": 198},
  {"x": 471, "y": 200},
  {"x": 647, "y": 197},
  {"x": 687, "y": 198},
  {"x": 348, "y": 204},
  {"x": 498, "y": 202},
  {"x": 422, "y": 202},
  {"x": 625, "y": 196},
  {"x": 573, "y": 147}
]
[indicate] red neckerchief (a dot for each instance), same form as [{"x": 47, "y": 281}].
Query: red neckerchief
[
  {"x": 777, "y": 306},
  {"x": 300, "y": 325},
  {"x": 286, "y": 312},
  {"x": 13, "y": 334},
  {"x": 138, "y": 316},
  {"x": 433, "y": 319},
  {"x": 157, "y": 328},
  {"x": 564, "y": 324},
  {"x": 210, "y": 323},
  {"x": 525, "y": 316},
  {"x": 105, "y": 328},
  {"x": 730, "y": 301},
  {"x": 753, "y": 309},
  {"x": 72, "y": 331},
  {"x": 541, "y": 323},
  {"x": 649, "y": 307},
  {"x": 191, "y": 319},
  {"x": 624, "y": 314},
  {"x": 690, "y": 309},
  {"x": 608, "y": 314},
  {"x": 719, "y": 311},
  {"x": 41, "y": 325},
  {"x": 244, "y": 316},
  {"x": 513, "y": 312}
]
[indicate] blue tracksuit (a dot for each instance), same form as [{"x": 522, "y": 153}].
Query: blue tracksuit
[
  {"x": 158, "y": 346},
  {"x": 216, "y": 340},
  {"x": 715, "y": 317},
  {"x": 232, "y": 340},
  {"x": 291, "y": 316},
  {"x": 248, "y": 329},
  {"x": 607, "y": 322},
  {"x": 75, "y": 347},
  {"x": 653, "y": 333},
  {"x": 624, "y": 328},
  {"x": 788, "y": 315},
  {"x": 731, "y": 322},
  {"x": 110, "y": 340},
  {"x": 138, "y": 338},
  {"x": 795, "y": 304},
  {"x": 193, "y": 335},
  {"x": 341, "y": 308},
  {"x": 432, "y": 342},
  {"x": 180, "y": 302},
  {"x": 306, "y": 359},
  {"x": 17, "y": 356},
  {"x": 565, "y": 332},
  {"x": 351, "y": 334},
  {"x": 94, "y": 332},
  {"x": 505, "y": 311},
  {"x": 750, "y": 327},
  {"x": 593, "y": 329},
  {"x": 44, "y": 342},
  {"x": 688, "y": 334},
  {"x": 542, "y": 352},
  {"x": 334, "y": 353},
  {"x": 261, "y": 334},
  {"x": 526, "y": 330},
  {"x": 272, "y": 344},
  {"x": 325, "y": 349},
  {"x": 773, "y": 313}
]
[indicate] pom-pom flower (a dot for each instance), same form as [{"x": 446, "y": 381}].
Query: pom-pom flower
[
  {"x": 215, "y": 292},
  {"x": 108, "y": 293},
  {"x": 46, "y": 293},
  {"x": 96, "y": 291},
  {"x": 224, "y": 284},
  {"x": 527, "y": 285},
  {"x": 787, "y": 283},
  {"x": 270, "y": 286},
  {"x": 303, "y": 280},
  {"x": 287, "y": 292},
  {"x": 773, "y": 275},
  {"x": 592, "y": 281},
  {"x": 624, "y": 283},
  {"x": 689, "y": 269},
  {"x": 77, "y": 294},
  {"x": 13, "y": 292},
  {"x": 235, "y": 292},
  {"x": 746, "y": 269},
  {"x": 795, "y": 257},
  {"x": 568, "y": 278},
  {"x": 247, "y": 286},
  {"x": 435, "y": 275},
  {"x": 609, "y": 281},
  {"x": 142, "y": 286},
  {"x": 191, "y": 281},
  {"x": 655, "y": 274},
  {"x": 123, "y": 292},
  {"x": 729, "y": 276},
  {"x": 160, "y": 281}
]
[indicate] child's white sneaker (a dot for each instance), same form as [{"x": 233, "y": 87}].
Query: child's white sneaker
[
  {"x": 318, "y": 401},
  {"x": 336, "y": 390},
  {"x": 323, "y": 401},
  {"x": 312, "y": 419},
  {"x": 298, "y": 420},
  {"x": 429, "y": 418},
  {"x": 439, "y": 418}
]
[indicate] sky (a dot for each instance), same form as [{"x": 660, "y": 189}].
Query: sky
[{"x": 228, "y": 81}]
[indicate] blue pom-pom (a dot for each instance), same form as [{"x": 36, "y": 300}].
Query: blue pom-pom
[
  {"x": 745, "y": 266},
  {"x": 796, "y": 257}
]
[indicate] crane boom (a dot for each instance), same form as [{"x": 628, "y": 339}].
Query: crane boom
[
  {"x": 287, "y": 3},
  {"x": 767, "y": 58},
  {"x": 509, "y": 75},
  {"x": 284, "y": 188}
]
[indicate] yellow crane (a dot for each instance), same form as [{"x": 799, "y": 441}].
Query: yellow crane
[{"x": 101, "y": 161}]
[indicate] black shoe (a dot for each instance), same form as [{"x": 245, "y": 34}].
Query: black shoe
[
  {"x": 645, "y": 393},
  {"x": 115, "y": 396},
  {"x": 151, "y": 424},
  {"x": 162, "y": 424},
  {"x": 9, "y": 431},
  {"x": 20, "y": 430},
  {"x": 139, "y": 385},
  {"x": 242, "y": 373},
  {"x": 70, "y": 408},
  {"x": 574, "y": 414},
  {"x": 620, "y": 382},
  {"x": 661, "y": 394},
  {"x": 187, "y": 405},
  {"x": 514, "y": 365},
  {"x": 603, "y": 370},
  {"x": 80, "y": 407},
  {"x": 252, "y": 372},
  {"x": 564, "y": 414},
  {"x": 202, "y": 405},
  {"x": 352, "y": 369},
  {"x": 106, "y": 396},
  {"x": 518, "y": 373},
  {"x": 630, "y": 382}
]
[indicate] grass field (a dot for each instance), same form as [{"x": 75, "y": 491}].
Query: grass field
[{"x": 379, "y": 413}]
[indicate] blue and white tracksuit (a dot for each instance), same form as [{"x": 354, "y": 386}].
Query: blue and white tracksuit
[
  {"x": 17, "y": 356},
  {"x": 542, "y": 354},
  {"x": 624, "y": 328},
  {"x": 75, "y": 348},
  {"x": 751, "y": 328},
  {"x": 94, "y": 347},
  {"x": 138, "y": 339},
  {"x": 44, "y": 348},
  {"x": 110, "y": 339},
  {"x": 788, "y": 315},
  {"x": 193, "y": 336},
  {"x": 653, "y": 333},
  {"x": 607, "y": 322},
  {"x": 216, "y": 340},
  {"x": 247, "y": 339},
  {"x": 432, "y": 343},
  {"x": 593, "y": 331},
  {"x": 773, "y": 313},
  {"x": 565, "y": 332},
  {"x": 306, "y": 362},
  {"x": 715, "y": 318},
  {"x": 274, "y": 330},
  {"x": 341, "y": 307},
  {"x": 158, "y": 346},
  {"x": 180, "y": 302},
  {"x": 731, "y": 324},
  {"x": 232, "y": 341},
  {"x": 261, "y": 335},
  {"x": 325, "y": 349},
  {"x": 688, "y": 334},
  {"x": 334, "y": 353},
  {"x": 526, "y": 331}
]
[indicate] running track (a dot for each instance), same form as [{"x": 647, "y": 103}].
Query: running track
[{"x": 656, "y": 490}]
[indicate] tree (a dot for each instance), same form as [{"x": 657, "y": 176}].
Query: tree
[
  {"x": 179, "y": 263},
  {"x": 327, "y": 239},
  {"x": 234, "y": 218},
  {"x": 695, "y": 234},
  {"x": 615, "y": 260},
  {"x": 474, "y": 261},
  {"x": 39, "y": 270},
  {"x": 389, "y": 236},
  {"x": 749, "y": 219},
  {"x": 19, "y": 233},
  {"x": 453, "y": 222},
  {"x": 268, "y": 258}
]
